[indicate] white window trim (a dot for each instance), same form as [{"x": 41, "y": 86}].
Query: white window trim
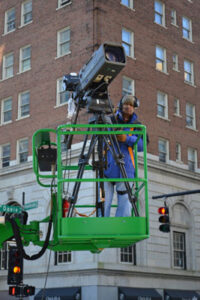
[
  {"x": 131, "y": 5},
  {"x": 17, "y": 152},
  {"x": 58, "y": 42},
  {"x": 193, "y": 115},
  {"x": 22, "y": 15},
  {"x": 4, "y": 67},
  {"x": 20, "y": 59},
  {"x": 2, "y": 112},
  {"x": 19, "y": 117},
  {"x": 179, "y": 152},
  {"x": 179, "y": 230},
  {"x": 132, "y": 84},
  {"x": 179, "y": 109},
  {"x": 195, "y": 158},
  {"x": 64, "y": 262},
  {"x": 190, "y": 39},
  {"x": 175, "y": 18},
  {"x": 68, "y": 2},
  {"x": 167, "y": 150},
  {"x": 1, "y": 155},
  {"x": 176, "y": 67},
  {"x": 166, "y": 106},
  {"x": 5, "y": 22},
  {"x": 163, "y": 14},
  {"x": 192, "y": 73},
  {"x": 131, "y": 44},
  {"x": 165, "y": 60}
]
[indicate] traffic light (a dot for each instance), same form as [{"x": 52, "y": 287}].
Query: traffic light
[
  {"x": 164, "y": 219},
  {"x": 22, "y": 290},
  {"x": 15, "y": 266}
]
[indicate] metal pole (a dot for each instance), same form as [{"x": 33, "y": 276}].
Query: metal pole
[{"x": 176, "y": 194}]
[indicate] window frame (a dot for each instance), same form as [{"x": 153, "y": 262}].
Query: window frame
[
  {"x": 165, "y": 105},
  {"x": 20, "y": 105},
  {"x": 175, "y": 62},
  {"x": 6, "y": 31},
  {"x": 191, "y": 116},
  {"x": 18, "y": 150},
  {"x": 22, "y": 60},
  {"x": 187, "y": 29},
  {"x": 130, "y": 254},
  {"x": 193, "y": 162},
  {"x": 59, "y": 52},
  {"x": 132, "y": 84},
  {"x": 177, "y": 110},
  {"x": 65, "y": 3},
  {"x": 59, "y": 92},
  {"x": 129, "y": 44},
  {"x": 173, "y": 17},
  {"x": 162, "y": 15},
  {"x": 163, "y": 60},
  {"x": 3, "y": 122},
  {"x": 62, "y": 254},
  {"x": 2, "y": 157},
  {"x": 166, "y": 153},
  {"x": 180, "y": 250},
  {"x": 178, "y": 152},
  {"x": 5, "y": 67},
  {"x": 190, "y": 74},
  {"x": 23, "y": 13},
  {"x": 130, "y": 5}
]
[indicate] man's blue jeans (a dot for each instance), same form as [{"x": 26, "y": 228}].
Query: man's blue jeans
[{"x": 124, "y": 206}]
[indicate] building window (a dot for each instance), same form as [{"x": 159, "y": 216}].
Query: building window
[
  {"x": 10, "y": 20},
  {"x": 8, "y": 66},
  {"x": 173, "y": 17},
  {"x": 5, "y": 156},
  {"x": 23, "y": 150},
  {"x": 128, "y": 255},
  {"x": 128, "y": 3},
  {"x": 187, "y": 28},
  {"x": 128, "y": 42},
  {"x": 176, "y": 107},
  {"x": 161, "y": 61},
  {"x": 192, "y": 159},
  {"x": 128, "y": 86},
  {"x": 26, "y": 12},
  {"x": 188, "y": 72},
  {"x": 163, "y": 150},
  {"x": 63, "y": 257},
  {"x": 179, "y": 250},
  {"x": 159, "y": 15},
  {"x": 63, "y": 37},
  {"x": 178, "y": 152},
  {"x": 190, "y": 116},
  {"x": 4, "y": 254},
  {"x": 175, "y": 61},
  {"x": 62, "y": 95},
  {"x": 162, "y": 105},
  {"x": 6, "y": 114},
  {"x": 25, "y": 59},
  {"x": 62, "y": 3},
  {"x": 24, "y": 105}
]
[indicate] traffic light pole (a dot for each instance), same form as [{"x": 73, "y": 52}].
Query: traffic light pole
[{"x": 176, "y": 194}]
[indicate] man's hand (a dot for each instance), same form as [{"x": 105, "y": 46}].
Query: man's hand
[{"x": 121, "y": 137}]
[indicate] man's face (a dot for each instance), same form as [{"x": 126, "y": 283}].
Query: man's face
[{"x": 127, "y": 110}]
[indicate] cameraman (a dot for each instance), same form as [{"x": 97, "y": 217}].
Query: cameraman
[{"x": 124, "y": 115}]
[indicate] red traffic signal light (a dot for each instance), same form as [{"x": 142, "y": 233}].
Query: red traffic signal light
[
  {"x": 164, "y": 219},
  {"x": 21, "y": 290}
]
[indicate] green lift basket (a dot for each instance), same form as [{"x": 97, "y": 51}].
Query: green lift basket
[{"x": 91, "y": 233}]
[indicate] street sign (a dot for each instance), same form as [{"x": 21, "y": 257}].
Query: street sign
[
  {"x": 10, "y": 209},
  {"x": 31, "y": 205}
]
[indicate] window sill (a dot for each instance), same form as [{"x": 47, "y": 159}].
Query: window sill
[
  {"x": 191, "y": 128},
  {"x": 163, "y": 118},
  {"x": 190, "y": 83},
  {"x": 23, "y": 25},
  {"x": 176, "y": 70},
  {"x": 188, "y": 40},
  {"x": 3, "y": 79},
  {"x": 57, "y": 57},
  {"x": 162, "y": 72},
  {"x": 5, "y": 123},
  {"x": 22, "y": 118},
  {"x": 64, "y": 5},
  {"x": 60, "y": 105},
  {"x": 21, "y": 72},
  {"x": 163, "y": 26},
  {"x": 176, "y": 115},
  {"x": 175, "y": 25},
  {"x": 6, "y": 33},
  {"x": 131, "y": 8}
]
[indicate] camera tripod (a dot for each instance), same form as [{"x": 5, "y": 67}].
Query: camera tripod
[{"x": 111, "y": 142}]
